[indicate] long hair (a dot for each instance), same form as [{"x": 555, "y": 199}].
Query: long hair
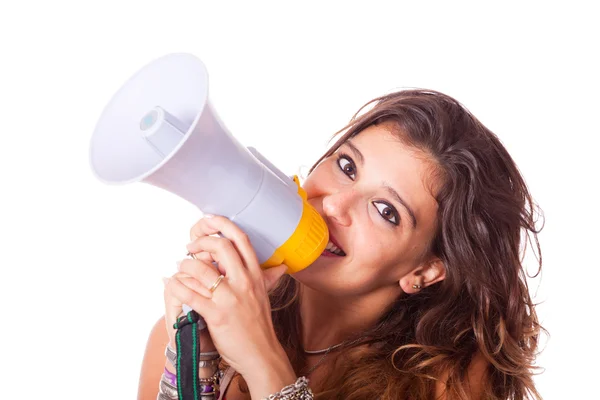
[{"x": 483, "y": 306}]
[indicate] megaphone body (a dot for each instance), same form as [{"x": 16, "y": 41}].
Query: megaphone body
[{"x": 160, "y": 129}]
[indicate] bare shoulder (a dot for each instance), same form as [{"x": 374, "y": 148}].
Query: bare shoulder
[
  {"x": 154, "y": 361},
  {"x": 476, "y": 377}
]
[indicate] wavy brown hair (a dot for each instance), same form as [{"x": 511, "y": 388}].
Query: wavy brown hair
[{"x": 483, "y": 306}]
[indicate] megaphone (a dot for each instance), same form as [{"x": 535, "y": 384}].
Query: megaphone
[{"x": 160, "y": 129}]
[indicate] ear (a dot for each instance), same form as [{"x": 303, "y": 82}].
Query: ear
[{"x": 424, "y": 275}]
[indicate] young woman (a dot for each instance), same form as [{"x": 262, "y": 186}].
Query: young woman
[{"x": 421, "y": 293}]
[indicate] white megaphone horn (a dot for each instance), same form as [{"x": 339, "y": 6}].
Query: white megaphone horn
[{"x": 159, "y": 128}]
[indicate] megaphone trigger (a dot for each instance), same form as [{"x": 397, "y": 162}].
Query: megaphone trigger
[{"x": 301, "y": 190}]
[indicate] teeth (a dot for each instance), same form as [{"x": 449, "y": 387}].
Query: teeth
[{"x": 334, "y": 249}]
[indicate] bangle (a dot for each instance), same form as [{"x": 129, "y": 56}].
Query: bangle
[
  {"x": 209, "y": 363},
  {"x": 171, "y": 377},
  {"x": 169, "y": 351},
  {"x": 212, "y": 355},
  {"x": 166, "y": 388},
  {"x": 208, "y": 359},
  {"x": 171, "y": 356},
  {"x": 296, "y": 391}
]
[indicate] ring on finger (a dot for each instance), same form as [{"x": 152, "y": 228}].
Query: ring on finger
[
  {"x": 217, "y": 282},
  {"x": 193, "y": 255}
]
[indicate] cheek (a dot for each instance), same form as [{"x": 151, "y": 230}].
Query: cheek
[
  {"x": 310, "y": 186},
  {"x": 379, "y": 255},
  {"x": 370, "y": 245},
  {"x": 319, "y": 181}
]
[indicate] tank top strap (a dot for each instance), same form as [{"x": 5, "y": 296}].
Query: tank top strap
[{"x": 225, "y": 381}]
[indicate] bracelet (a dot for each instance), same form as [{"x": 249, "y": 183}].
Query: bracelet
[
  {"x": 209, "y": 363},
  {"x": 173, "y": 353},
  {"x": 171, "y": 356},
  {"x": 162, "y": 396},
  {"x": 213, "y": 355},
  {"x": 213, "y": 359},
  {"x": 170, "y": 377},
  {"x": 209, "y": 387},
  {"x": 167, "y": 389},
  {"x": 296, "y": 391}
]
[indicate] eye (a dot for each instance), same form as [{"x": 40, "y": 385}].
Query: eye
[
  {"x": 347, "y": 165},
  {"x": 388, "y": 212}
]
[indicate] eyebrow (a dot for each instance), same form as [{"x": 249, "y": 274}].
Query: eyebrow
[
  {"x": 390, "y": 190},
  {"x": 361, "y": 159},
  {"x": 401, "y": 201}
]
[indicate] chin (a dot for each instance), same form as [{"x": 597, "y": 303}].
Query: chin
[
  {"x": 312, "y": 275},
  {"x": 319, "y": 277}
]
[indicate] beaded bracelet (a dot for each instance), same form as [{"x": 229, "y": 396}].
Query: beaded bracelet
[
  {"x": 209, "y": 387},
  {"x": 296, "y": 391}
]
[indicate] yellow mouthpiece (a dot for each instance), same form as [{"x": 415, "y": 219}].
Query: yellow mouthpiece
[{"x": 306, "y": 243}]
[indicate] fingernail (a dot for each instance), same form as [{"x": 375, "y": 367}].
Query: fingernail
[{"x": 208, "y": 215}]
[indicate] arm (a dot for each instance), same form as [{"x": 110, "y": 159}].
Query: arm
[
  {"x": 154, "y": 362},
  {"x": 237, "y": 310},
  {"x": 275, "y": 374}
]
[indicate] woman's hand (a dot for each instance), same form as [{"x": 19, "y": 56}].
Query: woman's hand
[
  {"x": 174, "y": 309},
  {"x": 237, "y": 311}
]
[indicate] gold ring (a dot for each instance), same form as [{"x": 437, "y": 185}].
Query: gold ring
[{"x": 214, "y": 286}]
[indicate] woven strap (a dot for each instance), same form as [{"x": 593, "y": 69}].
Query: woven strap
[
  {"x": 188, "y": 354},
  {"x": 225, "y": 381}
]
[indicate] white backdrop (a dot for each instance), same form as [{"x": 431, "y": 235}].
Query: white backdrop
[{"x": 82, "y": 262}]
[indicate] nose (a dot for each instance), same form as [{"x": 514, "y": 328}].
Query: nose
[{"x": 337, "y": 207}]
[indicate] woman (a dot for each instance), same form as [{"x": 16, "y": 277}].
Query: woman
[{"x": 421, "y": 293}]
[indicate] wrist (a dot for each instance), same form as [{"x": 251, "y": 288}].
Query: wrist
[{"x": 270, "y": 376}]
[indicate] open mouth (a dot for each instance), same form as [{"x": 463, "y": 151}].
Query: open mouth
[{"x": 333, "y": 250}]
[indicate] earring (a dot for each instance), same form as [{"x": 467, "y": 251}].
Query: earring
[{"x": 417, "y": 286}]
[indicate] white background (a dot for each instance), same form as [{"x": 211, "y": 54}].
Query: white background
[{"x": 82, "y": 262}]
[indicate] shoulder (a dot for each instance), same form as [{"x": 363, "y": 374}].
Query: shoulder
[
  {"x": 154, "y": 361},
  {"x": 476, "y": 378}
]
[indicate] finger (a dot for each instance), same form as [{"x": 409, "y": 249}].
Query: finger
[
  {"x": 225, "y": 254},
  {"x": 202, "y": 228},
  {"x": 185, "y": 295},
  {"x": 202, "y": 256},
  {"x": 196, "y": 286},
  {"x": 235, "y": 235},
  {"x": 207, "y": 258},
  {"x": 205, "y": 274},
  {"x": 272, "y": 276},
  {"x": 173, "y": 308}
]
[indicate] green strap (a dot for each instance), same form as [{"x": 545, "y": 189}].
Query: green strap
[{"x": 188, "y": 355}]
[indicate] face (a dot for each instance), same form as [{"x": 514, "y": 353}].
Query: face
[{"x": 375, "y": 195}]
